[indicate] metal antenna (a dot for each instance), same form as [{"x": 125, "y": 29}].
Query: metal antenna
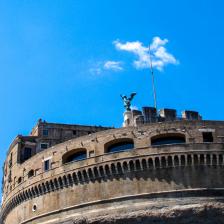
[{"x": 153, "y": 82}]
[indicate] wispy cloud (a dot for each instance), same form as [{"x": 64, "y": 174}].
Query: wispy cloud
[
  {"x": 95, "y": 68},
  {"x": 160, "y": 57},
  {"x": 100, "y": 67},
  {"x": 113, "y": 65}
]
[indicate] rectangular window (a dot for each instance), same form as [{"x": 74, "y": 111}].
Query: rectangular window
[
  {"x": 27, "y": 153},
  {"x": 45, "y": 132},
  {"x": 74, "y": 132},
  {"x": 207, "y": 136},
  {"x": 46, "y": 165},
  {"x": 44, "y": 145}
]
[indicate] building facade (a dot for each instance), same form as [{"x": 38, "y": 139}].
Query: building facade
[{"x": 158, "y": 168}]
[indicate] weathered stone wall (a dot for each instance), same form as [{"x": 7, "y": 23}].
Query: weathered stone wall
[{"x": 146, "y": 170}]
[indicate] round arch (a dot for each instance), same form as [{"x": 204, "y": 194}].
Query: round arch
[
  {"x": 74, "y": 155},
  {"x": 168, "y": 138},
  {"x": 117, "y": 145}
]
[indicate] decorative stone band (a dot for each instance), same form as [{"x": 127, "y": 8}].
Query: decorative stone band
[{"x": 115, "y": 169}]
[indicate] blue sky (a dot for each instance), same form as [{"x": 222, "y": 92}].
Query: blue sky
[{"x": 68, "y": 61}]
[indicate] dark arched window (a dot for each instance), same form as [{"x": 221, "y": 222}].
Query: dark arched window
[
  {"x": 30, "y": 173},
  {"x": 74, "y": 155},
  {"x": 119, "y": 145},
  {"x": 172, "y": 138}
]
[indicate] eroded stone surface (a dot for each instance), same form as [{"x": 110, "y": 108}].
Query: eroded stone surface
[{"x": 211, "y": 213}]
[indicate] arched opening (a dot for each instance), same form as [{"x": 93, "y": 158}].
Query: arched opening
[
  {"x": 182, "y": 160},
  {"x": 60, "y": 182},
  {"x": 150, "y": 162},
  {"x": 196, "y": 160},
  {"x": 157, "y": 162},
  {"x": 131, "y": 165},
  {"x": 96, "y": 173},
  {"x": 113, "y": 169},
  {"x": 220, "y": 160},
  {"x": 176, "y": 161},
  {"x": 75, "y": 178},
  {"x": 170, "y": 161},
  {"x": 137, "y": 165},
  {"x": 170, "y": 138},
  {"x": 202, "y": 159},
  {"x": 208, "y": 159},
  {"x": 74, "y": 155},
  {"x": 119, "y": 168},
  {"x": 30, "y": 173},
  {"x": 119, "y": 145},
  {"x": 163, "y": 162},
  {"x": 19, "y": 180},
  {"x": 144, "y": 164},
  {"x": 125, "y": 166},
  {"x": 90, "y": 173},
  {"x": 214, "y": 160},
  {"x": 107, "y": 170},
  {"x": 189, "y": 160},
  {"x": 101, "y": 171},
  {"x": 85, "y": 176}
]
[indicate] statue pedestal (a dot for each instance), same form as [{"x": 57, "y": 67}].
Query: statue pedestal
[{"x": 127, "y": 119}]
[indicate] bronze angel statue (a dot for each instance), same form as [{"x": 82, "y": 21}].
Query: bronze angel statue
[{"x": 127, "y": 101}]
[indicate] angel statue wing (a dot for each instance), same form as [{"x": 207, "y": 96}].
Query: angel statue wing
[{"x": 132, "y": 96}]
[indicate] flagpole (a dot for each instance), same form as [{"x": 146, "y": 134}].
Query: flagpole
[{"x": 153, "y": 79}]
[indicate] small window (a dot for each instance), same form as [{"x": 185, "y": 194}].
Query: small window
[
  {"x": 30, "y": 173},
  {"x": 34, "y": 208},
  {"x": 44, "y": 145},
  {"x": 46, "y": 165},
  {"x": 207, "y": 136},
  {"x": 74, "y": 132},
  {"x": 45, "y": 132}
]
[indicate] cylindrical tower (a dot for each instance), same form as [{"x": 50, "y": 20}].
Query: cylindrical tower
[{"x": 158, "y": 172}]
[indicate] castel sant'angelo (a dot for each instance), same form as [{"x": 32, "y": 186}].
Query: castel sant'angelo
[{"x": 157, "y": 168}]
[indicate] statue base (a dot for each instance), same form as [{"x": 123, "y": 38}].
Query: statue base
[{"x": 127, "y": 119}]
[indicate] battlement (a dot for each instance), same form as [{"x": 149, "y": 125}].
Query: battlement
[{"x": 151, "y": 115}]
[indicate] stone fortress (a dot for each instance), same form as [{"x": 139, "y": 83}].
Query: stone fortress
[{"x": 158, "y": 168}]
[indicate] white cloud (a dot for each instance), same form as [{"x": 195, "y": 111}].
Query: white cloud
[
  {"x": 99, "y": 67},
  {"x": 113, "y": 65},
  {"x": 159, "y": 55}
]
